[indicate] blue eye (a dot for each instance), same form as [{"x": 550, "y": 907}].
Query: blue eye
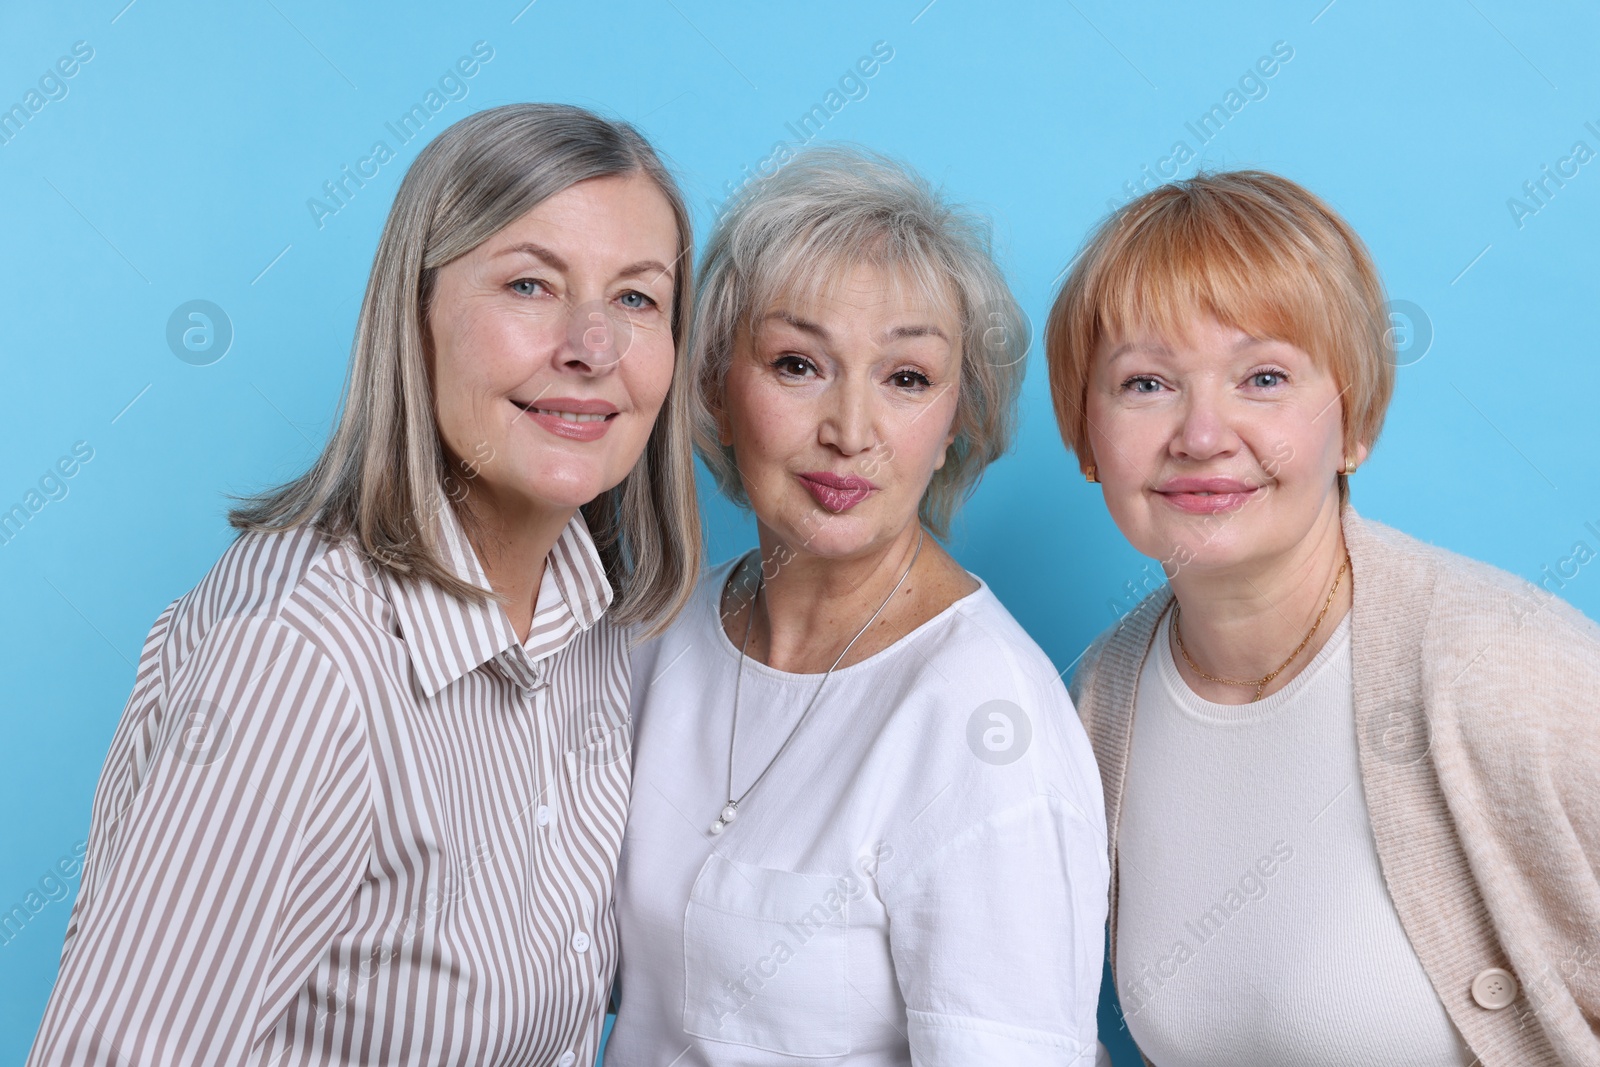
[
  {"x": 1266, "y": 379},
  {"x": 526, "y": 286},
  {"x": 634, "y": 300},
  {"x": 1142, "y": 383}
]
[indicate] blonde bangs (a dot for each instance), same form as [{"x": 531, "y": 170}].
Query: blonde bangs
[{"x": 814, "y": 268}]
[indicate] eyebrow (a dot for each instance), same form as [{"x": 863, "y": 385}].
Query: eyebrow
[
  {"x": 791, "y": 319},
  {"x": 919, "y": 330},
  {"x": 817, "y": 330},
  {"x": 554, "y": 259}
]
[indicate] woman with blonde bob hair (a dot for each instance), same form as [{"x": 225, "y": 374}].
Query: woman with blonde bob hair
[
  {"x": 1352, "y": 781},
  {"x": 862, "y": 800},
  {"x": 366, "y": 800}
]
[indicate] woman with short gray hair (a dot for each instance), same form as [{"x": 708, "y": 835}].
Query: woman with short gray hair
[
  {"x": 866, "y": 825},
  {"x": 366, "y": 800}
]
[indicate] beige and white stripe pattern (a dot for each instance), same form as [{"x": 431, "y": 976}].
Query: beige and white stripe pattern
[{"x": 348, "y": 819}]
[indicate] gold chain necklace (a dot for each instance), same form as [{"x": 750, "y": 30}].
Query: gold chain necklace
[{"x": 1177, "y": 633}]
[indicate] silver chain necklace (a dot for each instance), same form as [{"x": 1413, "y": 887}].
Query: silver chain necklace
[{"x": 730, "y": 810}]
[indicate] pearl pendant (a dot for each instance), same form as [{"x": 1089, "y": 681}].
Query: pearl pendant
[
  {"x": 716, "y": 827},
  {"x": 730, "y": 813}
]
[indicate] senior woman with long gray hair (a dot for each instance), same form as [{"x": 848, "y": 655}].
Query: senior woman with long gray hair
[
  {"x": 366, "y": 801},
  {"x": 866, "y": 825}
]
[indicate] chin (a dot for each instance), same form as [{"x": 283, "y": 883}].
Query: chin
[{"x": 564, "y": 486}]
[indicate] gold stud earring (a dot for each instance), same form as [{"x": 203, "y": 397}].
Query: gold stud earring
[
  {"x": 1349, "y": 465},
  {"x": 1089, "y": 474}
]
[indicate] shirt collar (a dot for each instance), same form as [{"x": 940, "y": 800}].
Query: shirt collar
[{"x": 447, "y": 637}]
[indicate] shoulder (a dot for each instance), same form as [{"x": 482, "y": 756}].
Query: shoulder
[
  {"x": 986, "y": 731},
  {"x": 981, "y": 633},
  {"x": 231, "y": 677},
  {"x": 295, "y": 593},
  {"x": 1104, "y": 675},
  {"x": 1509, "y": 671},
  {"x": 1479, "y": 614},
  {"x": 971, "y": 654},
  {"x": 998, "y": 708}
]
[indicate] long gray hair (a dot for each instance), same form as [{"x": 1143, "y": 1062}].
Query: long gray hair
[{"x": 378, "y": 479}]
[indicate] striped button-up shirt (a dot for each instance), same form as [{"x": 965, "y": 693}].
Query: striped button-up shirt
[{"x": 352, "y": 819}]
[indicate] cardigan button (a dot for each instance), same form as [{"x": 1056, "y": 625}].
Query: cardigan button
[{"x": 1494, "y": 989}]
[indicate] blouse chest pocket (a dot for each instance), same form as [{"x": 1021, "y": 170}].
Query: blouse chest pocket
[{"x": 765, "y": 960}]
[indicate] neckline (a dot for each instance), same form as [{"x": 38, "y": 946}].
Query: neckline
[
  {"x": 717, "y": 580},
  {"x": 1199, "y": 708}
]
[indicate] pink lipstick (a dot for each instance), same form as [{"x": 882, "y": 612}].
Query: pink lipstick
[
  {"x": 836, "y": 492},
  {"x": 570, "y": 417},
  {"x": 1205, "y": 496}
]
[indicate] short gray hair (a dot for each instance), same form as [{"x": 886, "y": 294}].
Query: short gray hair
[
  {"x": 833, "y": 207},
  {"x": 378, "y": 477}
]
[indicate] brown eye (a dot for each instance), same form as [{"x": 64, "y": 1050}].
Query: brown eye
[
  {"x": 793, "y": 366},
  {"x": 910, "y": 379}
]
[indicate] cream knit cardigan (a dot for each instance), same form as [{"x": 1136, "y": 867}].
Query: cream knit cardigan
[{"x": 1476, "y": 700}]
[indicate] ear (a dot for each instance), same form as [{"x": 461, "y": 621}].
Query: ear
[
  {"x": 944, "y": 452},
  {"x": 1362, "y": 452}
]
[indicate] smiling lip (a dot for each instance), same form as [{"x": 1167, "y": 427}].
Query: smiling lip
[
  {"x": 1206, "y": 495},
  {"x": 570, "y": 417},
  {"x": 836, "y": 492}
]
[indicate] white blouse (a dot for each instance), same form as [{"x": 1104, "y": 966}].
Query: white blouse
[{"x": 921, "y": 878}]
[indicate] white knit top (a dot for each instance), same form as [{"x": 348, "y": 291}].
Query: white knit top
[{"x": 1255, "y": 925}]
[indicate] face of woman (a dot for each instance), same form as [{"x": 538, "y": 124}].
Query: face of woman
[
  {"x": 1218, "y": 450},
  {"x": 551, "y": 345},
  {"x": 839, "y": 410}
]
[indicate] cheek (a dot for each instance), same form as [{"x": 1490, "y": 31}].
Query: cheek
[
  {"x": 765, "y": 423},
  {"x": 1124, "y": 444},
  {"x": 925, "y": 440},
  {"x": 454, "y": 387},
  {"x": 651, "y": 366},
  {"x": 476, "y": 355},
  {"x": 1301, "y": 452}
]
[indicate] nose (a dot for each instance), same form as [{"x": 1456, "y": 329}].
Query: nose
[
  {"x": 1203, "y": 431},
  {"x": 847, "y": 424},
  {"x": 596, "y": 340}
]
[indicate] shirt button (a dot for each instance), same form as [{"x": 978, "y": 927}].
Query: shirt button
[
  {"x": 580, "y": 942},
  {"x": 567, "y": 1059},
  {"x": 1494, "y": 989},
  {"x": 543, "y": 815}
]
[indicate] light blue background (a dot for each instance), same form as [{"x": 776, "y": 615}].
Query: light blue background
[{"x": 179, "y": 164}]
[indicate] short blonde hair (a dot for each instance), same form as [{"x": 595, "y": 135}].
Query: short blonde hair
[
  {"x": 379, "y": 476},
  {"x": 795, "y": 233},
  {"x": 1252, "y": 250}
]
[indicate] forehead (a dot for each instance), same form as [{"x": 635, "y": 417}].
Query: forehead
[
  {"x": 616, "y": 212},
  {"x": 1195, "y": 335},
  {"x": 864, "y": 293}
]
